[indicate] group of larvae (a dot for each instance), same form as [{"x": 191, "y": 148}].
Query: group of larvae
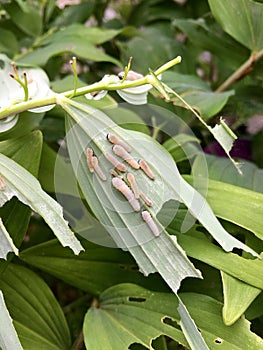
[{"x": 129, "y": 188}]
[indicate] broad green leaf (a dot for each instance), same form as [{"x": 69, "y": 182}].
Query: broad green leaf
[
  {"x": 38, "y": 318},
  {"x": 8, "y": 336},
  {"x": 127, "y": 314},
  {"x": 92, "y": 128},
  {"x": 6, "y": 243},
  {"x": 23, "y": 185},
  {"x": 123, "y": 224},
  {"x": 208, "y": 315},
  {"x": 237, "y": 297},
  {"x": 182, "y": 147},
  {"x": 221, "y": 169},
  {"x": 78, "y": 39},
  {"x": 143, "y": 48},
  {"x": 200, "y": 248},
  {"x": 94, "y": 270},
  {"x": 249, "y": 13},
  {"x": 8, "y": 42},
  {"x": 209, "y": 36},
  {"x": 237, "y": 205},
  {"x": 26, "y": 17},
  {"x": 196, "y": 93}
]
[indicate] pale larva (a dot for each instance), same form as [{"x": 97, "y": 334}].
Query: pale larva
[
  {"x": 131, "y": 75},
  {"x": 134, "y": 185},
  {"x": 114, "y": 161},
  {"x": 121, "y": 186},
  {"x": 149, "y": 221},
  {"x": 117, "y": 141},
  {"x": 89, "y": 155},
  {"x": 145, "y": 167},
  {"x": 146, "y": 200},
  {"x": 2, "y": 184},
  {"x": 121, "y": 152},
  {"x": 97, "y": 168}
]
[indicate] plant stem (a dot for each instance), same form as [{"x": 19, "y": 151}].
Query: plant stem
[
  {"x": 241, "y": 72},
  {"x": 78, "y": 342},
  {"x": 24, "y": 106}
]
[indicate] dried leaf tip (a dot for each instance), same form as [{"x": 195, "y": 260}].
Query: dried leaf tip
[
  {"x": 121, "y": 152},
  {"x": 151, "y": 224},
  {"x": 2, "y": 184},
  {"x": 145, "y": 167},
  {"x": 117, "y": 141},
  {"x": 121, "y": 186}
]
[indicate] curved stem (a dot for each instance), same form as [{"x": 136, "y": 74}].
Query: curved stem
[
  {"x": 241, "y": 72},
  {"x": 101, "y": 85}
]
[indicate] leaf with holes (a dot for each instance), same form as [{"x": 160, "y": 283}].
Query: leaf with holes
[
  {"x": 127, "y": 314},
  {"x": 21, "y": 184}
]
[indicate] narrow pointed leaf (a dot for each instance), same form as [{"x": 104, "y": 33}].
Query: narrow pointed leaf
[
  {"x": 189, "y": 328},
  {"x": 6, "y": 243},
  {"x": 237, "y": 298},
  {"x": 8, "y": 336},
  {"x": 20, "y": 183}
]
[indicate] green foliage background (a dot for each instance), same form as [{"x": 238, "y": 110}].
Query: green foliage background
[{"x": 99, "y": 299}]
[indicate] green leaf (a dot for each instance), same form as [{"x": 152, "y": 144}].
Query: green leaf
[
  {"x": 237, "y": 205},
  {"x": 225, "y": 137},
  {"x": 122, "y": 222},
  {"x": 221, "y": 169},
  {"x": 8, "y": 335},
  {"x": 38, "y": 318},
  {"x": 77, "y": 39},
  {"x": 26, "y": 17},
  {"x": 8, "y": 42},
  {"x": 6, "y": 243},
  {"x": 209, "y": 36},
  {"x": 200, "y": 248},
  {"x": 196, "y": 93},
  {"x": 208, "y": 315},
  {"x": 94, "y": 270},
  {"x": 237, "y": 298},
  {"x": 127, "y": 314},
  {"x": 23, "y": 185},
  {"x": 26, "y": 151},
  {"x": 247, "y": 12}
]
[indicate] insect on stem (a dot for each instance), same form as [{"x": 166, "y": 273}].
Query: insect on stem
[{"x": 121, "y": 186}]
